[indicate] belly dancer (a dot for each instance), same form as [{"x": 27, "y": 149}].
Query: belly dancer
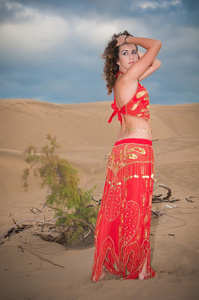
[{"x": 122, "y": 235}]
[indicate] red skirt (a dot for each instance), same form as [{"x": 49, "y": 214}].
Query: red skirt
[{"x": 122, "y": 235}]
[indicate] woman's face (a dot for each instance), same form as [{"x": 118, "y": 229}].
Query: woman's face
[{"x": 127, "y": 56}]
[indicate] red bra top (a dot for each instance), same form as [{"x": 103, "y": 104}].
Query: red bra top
[{"x": 138, "y": 106}]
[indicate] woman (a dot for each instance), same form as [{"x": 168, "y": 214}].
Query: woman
[{"x": 122, "y": 237}]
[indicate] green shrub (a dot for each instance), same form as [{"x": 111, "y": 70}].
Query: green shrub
[{"x": 69, "y": 201}]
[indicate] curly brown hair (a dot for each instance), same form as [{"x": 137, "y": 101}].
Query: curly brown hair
[{"x": 111, "y": 56}]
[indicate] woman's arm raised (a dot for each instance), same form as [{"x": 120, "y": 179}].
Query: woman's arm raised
[
  {"x": 152, "y": 68},
  {"x": 137, "y": 70}
]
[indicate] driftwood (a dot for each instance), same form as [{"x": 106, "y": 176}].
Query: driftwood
[
  {"x": 23, "y": 226},
  {"x": 160, "y": 197},
  {"x": 84, "y": 240},
  {"x": 60, "y": 239},
  {"x": 16, "y": 228}
]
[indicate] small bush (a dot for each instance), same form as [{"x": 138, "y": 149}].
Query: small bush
[{"x": 64, "y": 195}]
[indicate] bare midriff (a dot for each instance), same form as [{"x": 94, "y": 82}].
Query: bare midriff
[{"x": 134, "y": 127}]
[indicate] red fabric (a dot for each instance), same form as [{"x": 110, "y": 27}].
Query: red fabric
[
  {"x": 122, "y": 236},
  {"x": 137, "y": 141},
  {"x": 138, "y": 106},
  {"x": 116, "y": 111}
]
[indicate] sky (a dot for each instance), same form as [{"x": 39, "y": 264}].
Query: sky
[{"x": 50, "y": 49}]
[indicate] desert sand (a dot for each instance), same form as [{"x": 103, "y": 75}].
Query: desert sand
[{"x": 86, "y": 138}]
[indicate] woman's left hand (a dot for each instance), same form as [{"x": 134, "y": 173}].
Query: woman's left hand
[{"x": 121, "y": 40}]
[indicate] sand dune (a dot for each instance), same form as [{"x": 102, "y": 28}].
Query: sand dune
[{"x": 86, "y": 138}]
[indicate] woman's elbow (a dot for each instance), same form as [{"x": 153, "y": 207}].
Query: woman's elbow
[
  {"x": 158, "y": 63},
  {"x": 159, "y": 44}
]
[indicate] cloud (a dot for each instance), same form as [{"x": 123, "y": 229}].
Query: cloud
[
  {"x": 158, "y": 4},
  {"x": 28, "y": 29},
  {"x": 31, "y": 30},
  {"x": 96, "y": 31}
]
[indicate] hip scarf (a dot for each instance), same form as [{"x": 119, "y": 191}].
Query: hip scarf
[{"x": 122, "y": 235}]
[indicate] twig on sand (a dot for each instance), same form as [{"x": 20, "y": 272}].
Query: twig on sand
[
  {"x": 39, "y": 256},
  {"x": 157, "y": 197},
  {"x": 22, "y": 238},
  {"x": 189, "y": 199},
  {"x": 157, "y": 214},
  {"x": 45, "y": 222}
]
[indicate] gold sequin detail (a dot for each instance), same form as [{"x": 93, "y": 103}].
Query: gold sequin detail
[
  {"x": 132, "y": 156},
  {"x": 141, "y": 94},
  {"x": 137, "y": 149},
  {"x": 139, "y": 129},
  {"x": 134, "y": 106}
]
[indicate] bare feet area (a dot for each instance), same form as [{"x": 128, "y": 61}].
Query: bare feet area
[
  {"x": 31, "y": 268},
  {"x": 103, "y": 275}
]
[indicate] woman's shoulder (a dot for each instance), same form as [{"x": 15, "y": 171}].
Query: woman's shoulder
[{"x": 124, "y": 92}]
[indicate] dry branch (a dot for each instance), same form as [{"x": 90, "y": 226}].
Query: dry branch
[{"x": 157, "y": 198}]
